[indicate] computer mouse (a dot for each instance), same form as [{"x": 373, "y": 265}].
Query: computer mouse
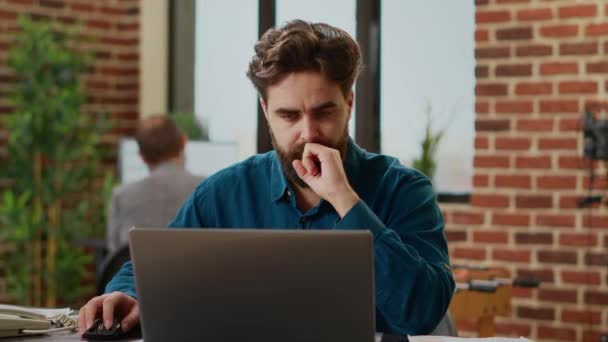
[{"x": 98, "y": 332}]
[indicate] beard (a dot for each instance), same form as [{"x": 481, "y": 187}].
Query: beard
[{"x": 286, "y": 157}]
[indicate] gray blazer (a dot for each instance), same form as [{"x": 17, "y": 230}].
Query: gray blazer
[{"x": 150, "y": 202}]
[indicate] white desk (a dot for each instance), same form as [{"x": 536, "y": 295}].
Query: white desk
[{"x": 67, "y": 337}]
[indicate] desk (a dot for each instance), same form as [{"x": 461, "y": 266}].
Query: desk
[
  {"x": 68, "y": 337},
  {"x": 54, "y": 337}
]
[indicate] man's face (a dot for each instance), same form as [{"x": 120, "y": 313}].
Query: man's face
[{"x": 305, "y": 107}]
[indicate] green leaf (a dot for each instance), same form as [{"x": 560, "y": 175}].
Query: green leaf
[
  {"x": 427, "y": 163},
  {"x": 48, "y": 120},
  {"x": 190, "y": 125}
]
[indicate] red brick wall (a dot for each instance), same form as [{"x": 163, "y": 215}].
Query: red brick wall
[
  {"x": 113, "y": 83},
  {"x": 538, "y": 65}
]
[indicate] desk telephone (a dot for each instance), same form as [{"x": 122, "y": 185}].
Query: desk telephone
[{"x": 19, "y": 321}]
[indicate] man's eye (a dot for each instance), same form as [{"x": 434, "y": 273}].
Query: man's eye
[
  {"x": 325, "y": 113},
  {"x": 288, "y": 116}
]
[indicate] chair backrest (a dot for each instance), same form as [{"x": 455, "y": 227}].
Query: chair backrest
[{"x": 110, "y": 265}]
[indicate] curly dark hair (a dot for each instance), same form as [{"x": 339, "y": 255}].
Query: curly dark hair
[{"x": 304, "y": 46}]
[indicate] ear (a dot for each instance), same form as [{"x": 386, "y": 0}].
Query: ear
[
  {"x": 264, "y": 107},
  {"x": 350, "y": 101},
  {"x": 184, "y": 141}
]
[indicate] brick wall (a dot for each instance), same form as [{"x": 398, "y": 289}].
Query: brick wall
[
  {"x": 112, "y": 84},
  {"x": 539, "y": 64}
]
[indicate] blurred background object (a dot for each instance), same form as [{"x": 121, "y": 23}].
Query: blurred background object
[
  {"x": 427, "y": 162},
  {"x": 191, "y": 125},
  {"x": 52, "y": 164}
]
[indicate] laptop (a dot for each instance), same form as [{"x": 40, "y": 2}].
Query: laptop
[{"x": 254, "y": 285}]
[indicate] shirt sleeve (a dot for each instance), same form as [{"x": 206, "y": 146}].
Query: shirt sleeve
[
  {"x": 414, "y": 283},
  {"x": 187, "y": 216},
  {"x": 123, "y": 281}
]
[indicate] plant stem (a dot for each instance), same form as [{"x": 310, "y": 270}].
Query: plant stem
[
  {"x": 51, "y": 256},
  {"x": 37, "y": 245}
]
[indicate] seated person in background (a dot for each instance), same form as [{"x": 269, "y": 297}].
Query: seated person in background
[
  {"x": 154, "y": 200},
  {"x": 318, "y": 178}
]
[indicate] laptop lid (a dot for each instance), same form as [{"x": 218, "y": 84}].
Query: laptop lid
[{"x": 254, "y": 285}]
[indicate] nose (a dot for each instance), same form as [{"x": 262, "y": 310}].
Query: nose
[{"x": 309, "y": 131}]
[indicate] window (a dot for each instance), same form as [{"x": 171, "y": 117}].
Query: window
[
  {"x": 225, "y": 100},
  {"x": 427, "y": 59}
]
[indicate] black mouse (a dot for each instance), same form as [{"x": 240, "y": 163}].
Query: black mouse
[{"x": 98, "y": 332}]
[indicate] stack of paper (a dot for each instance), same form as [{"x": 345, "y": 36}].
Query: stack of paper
[{"x": 463, "y": 339}]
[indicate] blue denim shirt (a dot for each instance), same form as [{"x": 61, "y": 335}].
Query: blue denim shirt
[{"x": 413, "y": 282}]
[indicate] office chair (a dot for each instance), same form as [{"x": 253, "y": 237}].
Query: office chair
[{"x": 110, "y": 265}]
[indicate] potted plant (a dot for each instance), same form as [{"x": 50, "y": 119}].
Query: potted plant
[
  {"x": 56, "y": 192},
  {"x": 190, "y": 125},
  {"x": 427, "y": 163}
]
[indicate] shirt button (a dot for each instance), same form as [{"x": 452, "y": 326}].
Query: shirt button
[{"x": 288, "y": 193}]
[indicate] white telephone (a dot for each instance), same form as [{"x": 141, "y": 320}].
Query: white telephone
[{"x": 18, "y": 321}]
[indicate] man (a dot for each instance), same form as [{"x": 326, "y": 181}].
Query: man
[
  {"x": 154, "y": 200},
  {"x": 318, "y": 178}
]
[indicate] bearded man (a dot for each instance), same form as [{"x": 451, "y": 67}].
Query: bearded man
[{"x": 318, "y": 178}]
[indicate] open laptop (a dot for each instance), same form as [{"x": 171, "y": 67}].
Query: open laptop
[{"x": 254, "y": 285}]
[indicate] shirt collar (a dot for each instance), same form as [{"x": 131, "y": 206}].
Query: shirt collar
[
  {"x": 169, "y": 165},
  {"x": 352, "y": 163},
  {"x": 278, "y": 182}
]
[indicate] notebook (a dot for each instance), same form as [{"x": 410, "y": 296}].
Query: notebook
[{"x": 254, "y": 285}]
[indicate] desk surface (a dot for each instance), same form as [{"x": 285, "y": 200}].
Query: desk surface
[
  {"x": 54, "y": 337},
  {"x": 67, "y": 337}
]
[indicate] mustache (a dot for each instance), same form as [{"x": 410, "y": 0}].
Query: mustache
[
  {"x": 296, "y": 152},
  {"x": 288, "y": 154}
]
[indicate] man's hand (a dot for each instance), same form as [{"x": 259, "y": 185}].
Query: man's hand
[
  {"x": 321, "y": 168},
  {"x": 108, "y": 305}
]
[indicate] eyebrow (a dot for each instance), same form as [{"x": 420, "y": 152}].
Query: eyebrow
[{"x": 324, "y": 105}]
